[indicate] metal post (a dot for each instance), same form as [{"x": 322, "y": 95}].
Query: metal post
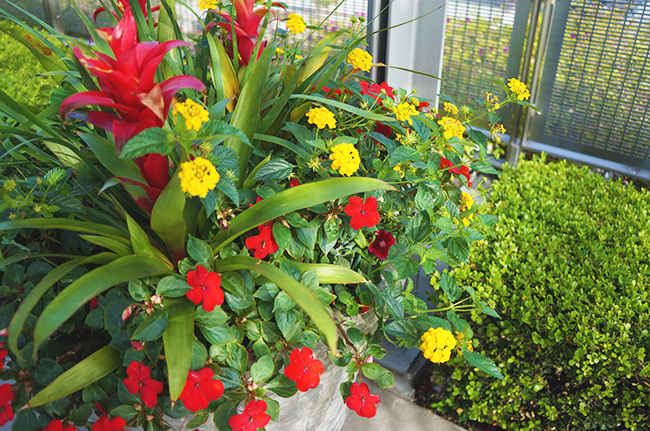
[{"x": 53, "y": 15}]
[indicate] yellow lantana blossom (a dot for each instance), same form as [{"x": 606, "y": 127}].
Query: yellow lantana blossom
[
  {"x": 451, "y": 128},
  {"x": 207, "y": 4},
  {"x": 404, "y": 111},
  {"x": 467, "y": 202},
  {"x": 491, "y": 101},
  {"x": 198, "y": 177},
  {"x": 519, "y": 88},
  {"x": 193, "y": 113},
  {"x": 437, "y": 345},
  {"x": 346, "y": 159},
  {"x": 279, "y": 51},
  {"x": 296, "y": 24},
  {"x": 321, "y": 117},
  {"x": 450, "y": 108},
  {"x": 400, "y": 169},
  {"x": 460, "y": 337},
  {"x": 360, "y": 59}
]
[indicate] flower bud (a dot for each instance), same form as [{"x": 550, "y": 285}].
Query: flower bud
[
  {"x": 4, "y": 332},
  {"x": 127, "y": 312}
]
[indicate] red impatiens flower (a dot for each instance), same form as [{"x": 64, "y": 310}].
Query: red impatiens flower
[
  {"x": 140, "y": 380},
  {"x": 304, "y": 369},
  {"x": 253, "y": 417},
  {"x": 6, "y": 397},
  {"x": 362, "y": 213},
  {"x": 294, "y": 182},
  {"x": 374, "y": 90},
  {"x": 104, "y": 424},
  {"x": 362, "y": 401},
  {"x": 382, "y": 243},
  {"x": 206, "y": 288},
  {"x": 264, "y": 243},
  {"x": 200, "y": 388},
  {"x": 462, "y": 170},
  {"x": 57, "y": 425}
]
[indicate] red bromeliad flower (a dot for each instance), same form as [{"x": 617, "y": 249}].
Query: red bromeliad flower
[
  {"x": 155, "y": 171},
  {"x": 200, "y": 388},
  {"x": 140, "y": 380},
  {"x": 6, "y": 397},
  {"x": 462, "y": 170},
  {"x": 253, "y": 417},
  {"x": 127, "y": 83},
  {"x": 57, "y": 425},
  {"x": 264, "y": 243},
  {"x": 382, "y": 243},
  {"x": 104, "y": 424},
  {"x": 123, "y": 5},
  {"x": 304, "y": 369},
  {"x": 362, "y": 213},
  {"x": 362, "y": 401},
  {"x": 374, "y": 90},
  {"x": 206, "y": 288}
]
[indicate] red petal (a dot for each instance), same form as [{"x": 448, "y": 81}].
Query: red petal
[
  {"x": 133, "y": 386},
  {"x": 316, "y": 367},
  {"x": 368, "y": 410},
  {"x": 175, "y": 83},
  {"x": 239, "y": 421},
  {"x": 212, "y": 280},
  {"x": 213, "y": 388},
  {"x": 261, "y": 420},
  {"x": 357, "y": 222},
  {"x": 304, "y": 382},
  {"x": 195, "y": 295},
  {"x": 353, "y": 402},
  {"x": 370, "y": 204},
  {"x": 211, "y": 298},
  {"x": 193, "y": 279},
  {"x": 204, "y": 374},
  {"x": 293, "y": 372},
  {"x": 354, "y": 206},
  {"x": 255, "y": 407},
  {"x": 154, "y": 385},
  {"x": 149, "y": 397},
  {"x": 156, "y": 170},
  {"x": 371, "y": 219},
  {"x": 196, "y": 400}
]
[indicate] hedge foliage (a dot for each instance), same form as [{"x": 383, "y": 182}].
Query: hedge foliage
[{"x": 570, "y": 268}]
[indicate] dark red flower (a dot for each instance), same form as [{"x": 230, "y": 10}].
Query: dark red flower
[
  {"x": 362, "y": 401},
  {"x": 304, "y": 369},
  {"x": 382, "y": 243},
  {"x": 362, "y": 213},
  {"x": 57, "y": 425},
  {"x": 6, "y": 397},
  {"x": 206, "y": 288},
  {"x": 253, "y": 417},
  {"x": 383, "y": 129},
  {"x": 264, "y": 243},
  {"x": 93, "y": 303},
  {"x": 140, "y": 380},
  {"x": 461, "y": 170},
  {"x": 200, "y": 388},
  {"x": 362, "y": 307},
  {"x": 155, "y": 171},
  {"x": 294, "y": 182},
  {"x": 138, "y": 346},
  {"x": 104, "y": 424},
  {"x": 3, "y": 355},
  {"x": 374, "y": 90}
]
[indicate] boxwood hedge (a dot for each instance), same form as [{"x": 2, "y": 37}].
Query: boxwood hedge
[{"x": 569, "y": 266}]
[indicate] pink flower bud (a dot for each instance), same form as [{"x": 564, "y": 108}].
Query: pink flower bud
[
  {"x": 4, "y": 332},
  {"x": 127, "y": 312},
  {"x": 137, "y": 345}
]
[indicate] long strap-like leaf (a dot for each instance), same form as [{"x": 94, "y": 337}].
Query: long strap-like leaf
[
  {"x": 297, "y": 291},
  {"x": 88, "y": 286},
  {"x": 331, "y": 274},
  {"x": 178, "y": 340},
  {"x": 91, "y": 369},
  {"x": 293, "y": 199},
  {"x": 65, "y": 224}
]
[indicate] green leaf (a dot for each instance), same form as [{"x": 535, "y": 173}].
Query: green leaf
[
  {"x": 298, "y": 292},
  {"x": 47, "y": 370},
  {"x": 151, "y": 140},
  {"x": 224, "y": 412},
  {"x": 167, "y": 218},
  {"x": 262, "y": 369},
  {"x": 228, "y": 187},
  {"x": 345, "y": 107},
  {"x": 197, "y": 421},
  {"x": 238, "y": 358},
  {"x": 304, "y": 155},
  {"x": 331, "y": 274},
  {"x": 139, "y": 240},
  {"x": 282, "y": 386},
  {"x": 88, "y": 286},
  {"x": 482, "y": 363},
  {"x": 282, "y": 235},
  {"x": 404, "y": 330},
  {"x": 274, "y": 169},
  {"x": 199, "y": 250},
  {"x": 199, "y": 355},
  {"x": 172, "y": 287},
  {"x": 65, "y": 224},
  {"x": 356, "y": 336},
  {"x": 450, "y": 287},
  {"x": 89, "y": 370},
  {"x": 293, "y": 199},
  {"x": 178, "y": 340},
  {"x": 424, "y": 200},
  {"x": 216, "y": 131},
  {"x": 373, "y": 371},
  {"x": 212, "y": 318},
  {"x": 484, "y": 167},
  {"x": 219, "y": 335},
  {"x": 151, "y": 327},
  {"x": 128, "y": 413},
  {"x": 403, "y": 154}
]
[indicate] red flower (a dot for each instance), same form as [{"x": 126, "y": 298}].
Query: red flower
[
  {"x": 6, "y": 396},
  {"x": 362, "y": 307},
  {"x": 155, "y": 171},
  {"x": 362, "y": 401},
  {"x": 140, "y": 380},
  {"x": 253, "y": 417},
  {"x": 104, "y": 424},
  {"x": 93, "y": 303},
  {"x": 3, "y": 355},
  {"x": 138, "y": 346},
  {"x": 294, "y": 182},
  {"x": 362, "y": 213},
  {"x": 57, "y": 425},
  {"x": 382, "y": 243},
  {"x": 200, "y": 388},
  {"x": 462, "y": 170},
  {"x": 264, "y": 243},
  {"x": 206, "y": 288},
  {"x": 374, "y": 90},
  {"x": 383, "y": 129},
  {"x": 304, "y": 369}
]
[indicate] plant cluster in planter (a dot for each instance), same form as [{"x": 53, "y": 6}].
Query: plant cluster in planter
[{"x": 185, "y": 222}]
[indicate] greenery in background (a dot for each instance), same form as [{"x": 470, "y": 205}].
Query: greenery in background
[{"x": 569, "y": 273}]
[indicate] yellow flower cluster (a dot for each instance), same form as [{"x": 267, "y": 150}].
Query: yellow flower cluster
[
  {"x": 398, "y": 168},
  {"x": 193, "y": 113},
  {"x": 9, "y": 185},
  {"x": 296, "y": 24},
  {"x": 346, "y": 159},
  {"x": 519, "y": 88},
  {"x": 360, "y": 59},
  {"x": 450, "y": 108},
  {"x": 404, "y": 112},
  {"x": 279, "y": 51},
  {"x": 207, "y": 4},
  {"x": 437, "y": 345},
  {"x": 491, "y": 101},
  {"x": 451, "y": 127},
  {"x": 322, "y": 117},
  {"x": 461, "y": 341},
  {"x": 495, "y": 131},
  {"x": 198, "y": 177},
  {"x": 467, "y": 202}
]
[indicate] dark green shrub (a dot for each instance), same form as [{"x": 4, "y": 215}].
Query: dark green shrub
[{"x": 569, "y": 267}]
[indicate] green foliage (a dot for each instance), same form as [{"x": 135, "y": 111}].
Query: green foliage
[{"x": 569, "y": 274}]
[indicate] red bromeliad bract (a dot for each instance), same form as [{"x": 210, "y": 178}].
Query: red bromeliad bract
[
  {"x": 304, "y": 369},
  {"x": 206, "y": 288},
  {"x": 105, "y": 424},
  {"x": 57, "y": 425},
  {"x": 140, "y": 380},
  {"x": 200, "y": 388},
  {"x": 362, "y": 401},
  {"x": 3, "y": 355},
  {"x": 253, "y": 417},
  {"x": 362, "y": 213},
  {"x": 6, "y": 397},
  {"x": 382, "y": 243}
]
